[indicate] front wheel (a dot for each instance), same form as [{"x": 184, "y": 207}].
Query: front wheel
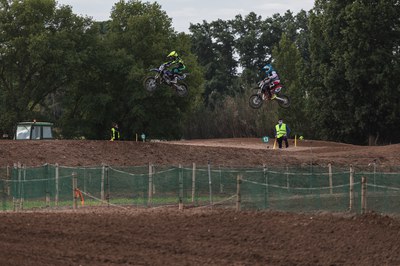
[
  {"x": 255, "y": 101},
  {"x": 150, "y": 84},
  {"x": 181, "y": 89},
  {"x": 283, "y": 101}
]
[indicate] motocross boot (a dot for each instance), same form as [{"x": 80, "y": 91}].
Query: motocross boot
[
  {"x": 174, "y": 79},
  {"x": 270, "y": 95}
]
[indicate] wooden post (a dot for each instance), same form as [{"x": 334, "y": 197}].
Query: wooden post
[
  {"x": 57, "y": 179},
  {"x": 374, "y": 176},
  {"x": 238, "y": 196},
  {"x": 74, "y": 187},
  {"x": 21, "y": 203},
  {"x": 153, "y": 169},
  {"x": 84, "y": 178},
  {"x": 8, "y": 189},
  {"x": 363, "y": 195},
  {"x": 180, "y": 188},
  {"x": 330, "y": 178},
  {"x": 266, "y": 186},
  {"x": 47, "y": 199},
  {"x": 108, "y": 185},
  {"x": 193, "y": 181},
  {"x": 287, "y": 177},
  {"x": 351, "y": 188},
  {"x": 221, "y": 186},
  {"x": 103, "y": 173},
  {"x": 210, "y": 184},
  {"x": 150, "y": 195},
  {"x": 15, "y": 194}
]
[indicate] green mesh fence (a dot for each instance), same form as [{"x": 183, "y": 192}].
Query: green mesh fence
[
  {"x": 300, "y": 189},
  {"x": 383, "y": 191},
  {"x": 296, "y": 190}
]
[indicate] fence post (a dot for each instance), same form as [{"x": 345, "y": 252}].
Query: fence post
[
  {"x": 351, "y": 188},
  {"x": 221, "y": 185},
  {"x": 56, "y": 198},
  {"x": 238, "y": 195},
  {"x": 47, "y": 199},
  {"x": 287, "y": 177},
  {"x": 193, "y": 181},
  {"x": 74, "y": 187},
  {"x": 363, "y": 195},
  {"x": 153, "y": 170},
  {"x": 8, "y": 181},
  {"x": 108, "y": 185},
  {"x": 210, "y": 184},
  {"x": 18, "y": 187},
  {"x": 330, "y": 178},
  {"x": 180, "y": 188},
  {"x": 84, "y": 178},
  {"x": 21, "y": 203},
  {"x": 266, "y": 186},
  {"x": 103, "y": 172},
  {"x": 150, "y": 195},
  {"x": 374, "y": 176},
  {"x": 15, "y": 187}
]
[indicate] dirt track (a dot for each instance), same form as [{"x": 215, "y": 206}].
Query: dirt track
[
  {"x": 112, "y": 236},
  {"x": 196, "y": 237},
  {"x": 223, "y": 152}
]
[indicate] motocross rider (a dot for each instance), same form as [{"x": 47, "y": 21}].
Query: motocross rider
[
  {"x": 178, "y": 65},
  {"x": 272, "y": 80}
]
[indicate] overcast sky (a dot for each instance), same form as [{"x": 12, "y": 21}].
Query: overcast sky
[{"x": 184, "y": 12}]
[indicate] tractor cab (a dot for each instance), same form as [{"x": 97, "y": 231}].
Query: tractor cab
[{"x": 34, "y": 130}]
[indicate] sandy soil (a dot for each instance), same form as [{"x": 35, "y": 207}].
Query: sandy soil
[{"x": 198, "y": 236}]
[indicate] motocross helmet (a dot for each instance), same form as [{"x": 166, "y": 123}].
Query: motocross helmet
[
  {"x": 268, "y": 68},
  {"x": 172, "y": 55}
]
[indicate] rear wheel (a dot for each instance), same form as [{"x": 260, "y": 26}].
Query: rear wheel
[
  {"x": 181, "y": 89},
  {"x": 284, "y": 101},
  {"x": 255, "y": 101},
  {"x": 150, "y": 84}
]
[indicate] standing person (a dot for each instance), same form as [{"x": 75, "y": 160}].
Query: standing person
[
  {"x": 177, "y": 65},
  {"x": 282, "y": 131},
  {"x": 115, "y": 132}
]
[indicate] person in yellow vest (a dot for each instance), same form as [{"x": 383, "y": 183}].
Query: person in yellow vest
[
  {"x": 115, "y": 132},
  {"x": 282, "y": 131}
]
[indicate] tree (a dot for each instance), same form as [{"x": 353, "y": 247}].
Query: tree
[
  {"x": 289, "y": 64},
  {"x": 371, "y": 63},
  {"x": 213, "y": 43},
  {"x": 139, "y": 38},
  {"x": 351, "y": 66},
  {"x": 252, "y": 52},
  {"x": 39, "y": 56}
]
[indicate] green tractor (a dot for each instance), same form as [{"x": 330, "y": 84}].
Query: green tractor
[{"x": 34, "y": 130}]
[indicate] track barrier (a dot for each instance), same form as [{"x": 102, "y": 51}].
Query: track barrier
[{"x": 292, "y": 189}]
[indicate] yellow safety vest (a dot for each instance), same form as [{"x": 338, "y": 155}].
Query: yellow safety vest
[
  {"x": 280, "y": 130},
  {"x": 113, "y": 135}
]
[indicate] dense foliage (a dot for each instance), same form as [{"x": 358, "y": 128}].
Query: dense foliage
[{"x": 339, "y": 63}]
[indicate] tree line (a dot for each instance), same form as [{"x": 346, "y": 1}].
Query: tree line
[{"x": 339, "y": 63}]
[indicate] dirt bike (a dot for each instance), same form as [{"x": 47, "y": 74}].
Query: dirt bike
[
  {"x": 163, "y": 76},
  {"x": 256, "y": 100}
]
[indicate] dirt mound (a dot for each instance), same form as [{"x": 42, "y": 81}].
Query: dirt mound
[{"x": 246, "y": 152}]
